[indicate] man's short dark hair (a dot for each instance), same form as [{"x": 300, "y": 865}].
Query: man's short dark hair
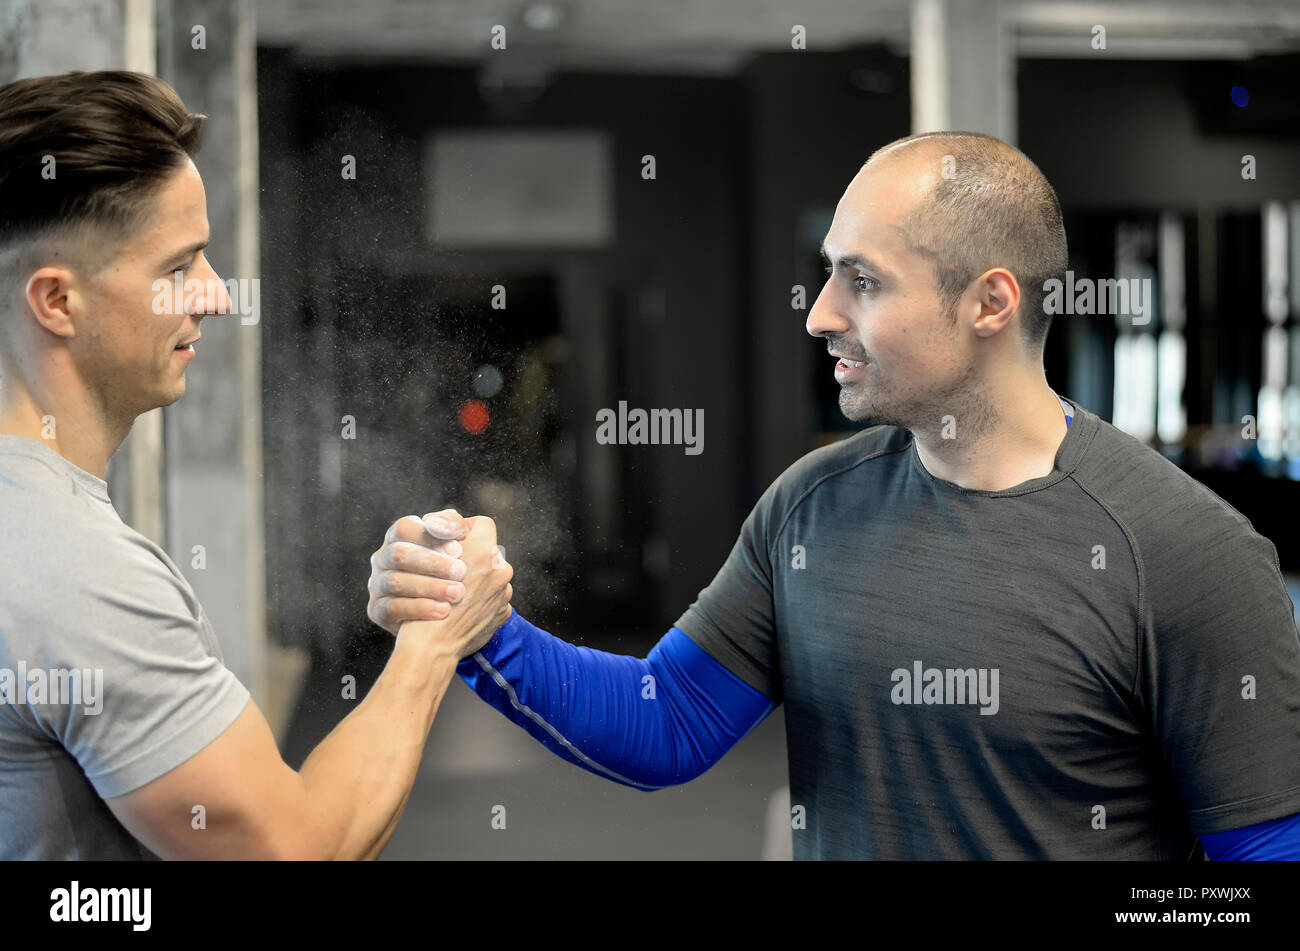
[
  {"x": 88, "y": 149},
  {"x": 996, "y": 210}
]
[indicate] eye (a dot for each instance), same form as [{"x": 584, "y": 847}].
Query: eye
[
  {"x": 186, "y": 266},
  {"x": 830, "y": 269}
]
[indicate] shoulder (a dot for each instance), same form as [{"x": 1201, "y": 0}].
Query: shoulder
[
  {"x": 1185, "y": 536},
  {"x": 1148, "y": 492},
  {"x": 826, "y": 462},
  {"x": 79, "y": 542},
  {"x": 88, "y": 579},
  {"x": 876, "y": 446}
]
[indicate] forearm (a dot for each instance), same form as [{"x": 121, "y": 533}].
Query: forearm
[
  {"x": 643, "y": 722},
  {"x": 359, "y": 777}
]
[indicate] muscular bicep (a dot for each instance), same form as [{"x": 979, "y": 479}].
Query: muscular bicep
[{"x": 234, "y": 799}]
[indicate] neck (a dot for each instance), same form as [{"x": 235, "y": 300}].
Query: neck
[
  {"x": 63, "y": 417},
  {"x": 1013, "y": 438}
]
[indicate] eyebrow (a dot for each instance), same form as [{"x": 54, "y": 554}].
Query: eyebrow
[
  {"x": 854, "y": 260},
  {"x": 189, "y": 251}
]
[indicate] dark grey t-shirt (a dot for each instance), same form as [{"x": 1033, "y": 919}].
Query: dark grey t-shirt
[{"x": 1101, "y": 663}]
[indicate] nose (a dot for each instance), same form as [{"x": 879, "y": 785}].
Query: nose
[
  {"x": 825, "y": 317},
  {"x": 218, "y": 302},
  {"x": 224, "y": 305}
]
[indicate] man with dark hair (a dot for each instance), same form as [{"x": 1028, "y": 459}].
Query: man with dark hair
[
  {"x": 122, "y": 733},
  {"x": 1001, "y": 627}
]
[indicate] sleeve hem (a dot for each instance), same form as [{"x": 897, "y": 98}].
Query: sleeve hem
[
  {"x": 709, "y": 641},
  {"x": 1246, "y": 812},
  {"x": 176, "y": 749}
]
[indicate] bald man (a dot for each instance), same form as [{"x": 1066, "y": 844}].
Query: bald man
[{"x": 1001, "y": 628}]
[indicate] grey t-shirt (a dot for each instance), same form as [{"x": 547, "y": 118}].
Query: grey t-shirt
[
  {"x": 1101, "y": 663},
  {"x": 86, "y": 600}
]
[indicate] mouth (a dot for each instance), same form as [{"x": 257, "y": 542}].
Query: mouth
[
  {"x": 847, "y": 369},
  {"x": 187, "y": 347}
]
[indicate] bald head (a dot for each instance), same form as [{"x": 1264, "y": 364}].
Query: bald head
[{"x": 969, "y": 202}]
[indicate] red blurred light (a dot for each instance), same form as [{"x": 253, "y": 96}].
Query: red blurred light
[{"x": 474, "y": 417}]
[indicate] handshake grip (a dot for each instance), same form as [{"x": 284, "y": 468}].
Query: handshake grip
[{"x": 484, "y": 604}]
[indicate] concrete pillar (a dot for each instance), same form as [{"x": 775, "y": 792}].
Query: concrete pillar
[
  {"x": 207, "y": 51},
  {"x": 963, "y": 67}
]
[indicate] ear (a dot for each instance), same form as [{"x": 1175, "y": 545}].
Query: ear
[
  {"x": 53, "y": 299},
  {"x": 999, "y": 298}
]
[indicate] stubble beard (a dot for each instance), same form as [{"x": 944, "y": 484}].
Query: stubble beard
[{"x": 965, "y": 400}]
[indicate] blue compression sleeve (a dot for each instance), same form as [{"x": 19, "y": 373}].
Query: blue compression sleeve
[
  {"x": 1263, "y": 842},
  {"x": 644, "y": 722}
]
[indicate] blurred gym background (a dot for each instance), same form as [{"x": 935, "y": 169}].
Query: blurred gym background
[{"x": 462, "y": 259}]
